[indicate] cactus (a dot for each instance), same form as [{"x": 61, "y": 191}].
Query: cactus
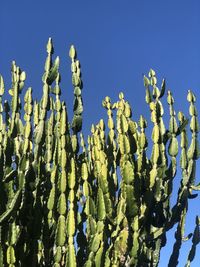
[{"x": 104, "y": 202}]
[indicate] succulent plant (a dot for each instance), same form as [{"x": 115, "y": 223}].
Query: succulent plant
[{"x": 104, "y": 202}]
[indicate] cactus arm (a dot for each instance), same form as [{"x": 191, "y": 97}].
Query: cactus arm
[
  {"x": 13, "y": 206},
  {"x": 179, "y": 236},
  {"x": 195, "y": 242},
  {"x": 77, "y": 84}
]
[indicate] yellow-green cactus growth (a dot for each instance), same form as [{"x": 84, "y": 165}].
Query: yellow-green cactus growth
[{"x": 104, "y": 202}]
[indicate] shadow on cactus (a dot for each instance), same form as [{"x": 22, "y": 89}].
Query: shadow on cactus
[{"x": 65, "y": 201}]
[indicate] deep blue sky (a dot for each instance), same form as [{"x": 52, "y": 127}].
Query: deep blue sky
[{"x": 117, "y": 41}]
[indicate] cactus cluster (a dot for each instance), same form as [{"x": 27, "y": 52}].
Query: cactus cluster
[{"x": 67, "y": 201}]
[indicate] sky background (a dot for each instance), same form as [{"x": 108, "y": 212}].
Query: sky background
[{"x": 117, "y": 42}]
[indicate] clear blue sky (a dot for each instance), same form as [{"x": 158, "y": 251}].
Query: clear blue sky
[{"x": 117, "y": 41}]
